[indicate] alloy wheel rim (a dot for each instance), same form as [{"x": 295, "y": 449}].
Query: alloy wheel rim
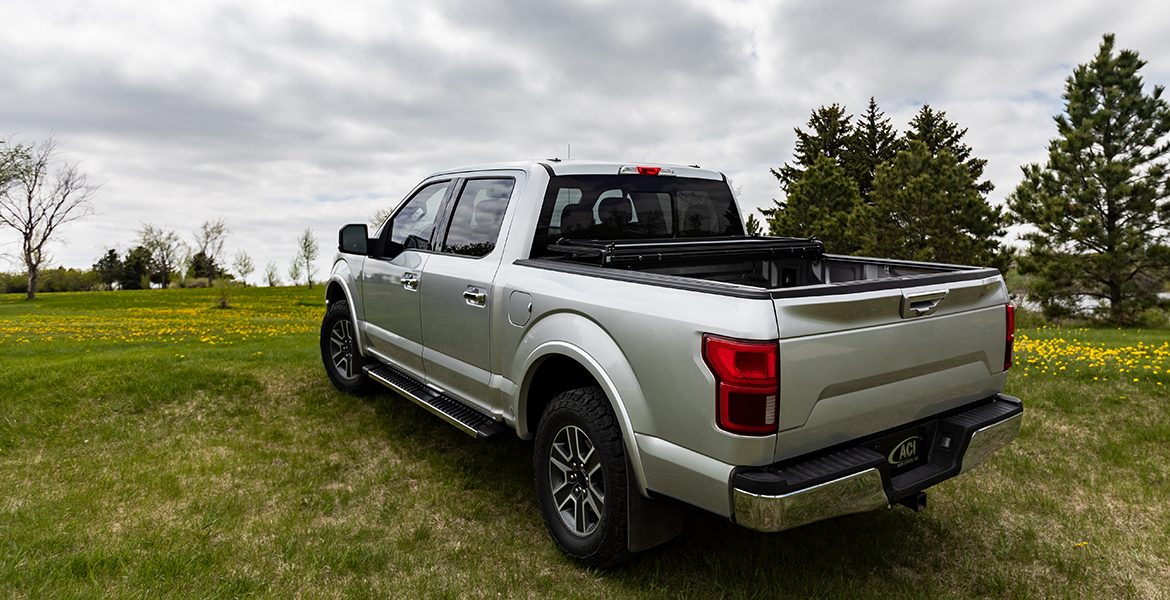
[
  {"x": 577, "y": 481},
  {"x": 341, "y": 348}
]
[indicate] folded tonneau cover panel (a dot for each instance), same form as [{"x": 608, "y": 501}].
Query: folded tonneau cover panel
[{"x": 620, "y": 253}]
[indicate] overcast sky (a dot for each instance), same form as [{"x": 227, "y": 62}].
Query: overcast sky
[{"x": 283, "y": 115}]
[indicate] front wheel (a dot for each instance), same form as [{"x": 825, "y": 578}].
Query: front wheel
[
  {"x": 339, "y": 352},
  {"x": 580, "y": 468}
]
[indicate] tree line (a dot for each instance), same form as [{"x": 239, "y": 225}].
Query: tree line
[
  {"x": 159, "y": 257},
  {"x": 1095, "y": 217}
]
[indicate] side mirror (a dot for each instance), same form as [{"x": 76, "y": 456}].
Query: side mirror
[{"x": 354, "y": 239}]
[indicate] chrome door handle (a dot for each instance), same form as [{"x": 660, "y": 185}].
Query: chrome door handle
[
  {"x": 475, "y": 296},
  {"x": 410, "y": 281}
]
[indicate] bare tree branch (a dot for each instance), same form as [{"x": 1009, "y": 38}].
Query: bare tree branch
[{"x": 35, "y": 201}]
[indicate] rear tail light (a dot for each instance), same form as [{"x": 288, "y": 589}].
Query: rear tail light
[
  {"x": 1011, "y": 337},
  {"x": 747, "y": 386}
]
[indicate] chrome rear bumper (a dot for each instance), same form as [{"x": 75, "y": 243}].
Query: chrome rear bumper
[{"x": 864, "y": 482}]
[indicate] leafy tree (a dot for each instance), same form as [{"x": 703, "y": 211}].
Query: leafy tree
[
  {"x": 164, "y": 246},
  {"x": 306, "y": 256},
  {"x": 379, "y": 217},
  {"x": 108, "y": 268},
  {"x": 135, "y": 272},
  {"x": 272, "y": 275},
  {"x": 823, "y": 203},
  {"x": 209, "y": 239},
  {"x": 67, "y": 280},
  {"x": 294, "y": 270},
  {"x": 1099, "y": 205},
  {"x": 36, "y": 199},
  {"x": 243, "y": 266},
  {"x": 928, "y": 207}
]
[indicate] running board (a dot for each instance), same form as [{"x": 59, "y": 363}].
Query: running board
[{"x": 465, "y": 418}]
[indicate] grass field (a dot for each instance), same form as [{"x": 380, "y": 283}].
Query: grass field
[{"x": 152, "y": 445}]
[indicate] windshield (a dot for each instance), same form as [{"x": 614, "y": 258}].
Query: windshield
[{"x": 634, "y": 207}]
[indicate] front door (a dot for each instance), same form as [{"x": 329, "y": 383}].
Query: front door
[{"x": 390, "y": 284}]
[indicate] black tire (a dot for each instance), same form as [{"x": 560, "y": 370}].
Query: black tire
[
  {"x": 580, "y": 467},
  {"x": 339, "y": 353}
]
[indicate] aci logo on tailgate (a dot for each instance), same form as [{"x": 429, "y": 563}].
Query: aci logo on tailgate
[{"x": 904, "y": 453}]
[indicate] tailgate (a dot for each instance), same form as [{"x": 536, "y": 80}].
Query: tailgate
[{"x": 852, "y": 364}]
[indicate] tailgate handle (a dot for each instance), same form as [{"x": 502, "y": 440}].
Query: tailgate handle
[{"x": 921, "y": 304}]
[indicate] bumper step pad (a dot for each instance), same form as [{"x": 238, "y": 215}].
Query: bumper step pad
[{"x": 467, "y": 419}]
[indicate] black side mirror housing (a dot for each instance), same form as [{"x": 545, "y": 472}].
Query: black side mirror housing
[{"x": 354, "y": 239}]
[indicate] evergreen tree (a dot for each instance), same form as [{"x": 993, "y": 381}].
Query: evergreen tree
[
  {"x": 203, "y": 265},
  {"x": 823, "y": 203},
  {"x": 1099, "y": 205},
  {"x": 829, "y": 137},
  {"x": 108, "y": 268},
  {"x": 936, "y": 132},
  {"x": 873, "y": 142},
  {"x": 135, "y": 272},
  {"x": 927, "y": 206},
  {"x": 821, "y": 199}
]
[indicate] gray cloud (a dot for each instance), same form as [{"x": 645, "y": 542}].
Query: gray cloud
[{"x": 284, "y": 115}]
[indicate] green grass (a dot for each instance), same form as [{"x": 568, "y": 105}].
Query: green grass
[{"x": 152, "y": 445}]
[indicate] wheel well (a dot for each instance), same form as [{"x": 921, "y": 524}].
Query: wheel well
[
  {"x": 334, "y": 293},
  {"x": 555, "y": 374}
]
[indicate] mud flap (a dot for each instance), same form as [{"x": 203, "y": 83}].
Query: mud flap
[{"x": 649, "y": 522}]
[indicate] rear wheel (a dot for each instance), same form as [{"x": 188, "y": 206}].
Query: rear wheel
[
  {"x": 339, "y": 352},
  {"x": 580, "y": 468}
]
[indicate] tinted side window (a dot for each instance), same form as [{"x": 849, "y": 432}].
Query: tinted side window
[
  {"x": 479, "y": 212},
  {"x": 414, "y": 225}
]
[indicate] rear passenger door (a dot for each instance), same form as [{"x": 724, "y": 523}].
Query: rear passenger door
[{"x": 458, "y": 302}]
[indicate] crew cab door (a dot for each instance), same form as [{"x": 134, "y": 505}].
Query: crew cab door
[
  {"x": 391, "y": 280},
  {"x": 458, "y": 303}
]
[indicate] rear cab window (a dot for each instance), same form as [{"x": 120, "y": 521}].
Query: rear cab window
[{"x": 634, "y": 207}]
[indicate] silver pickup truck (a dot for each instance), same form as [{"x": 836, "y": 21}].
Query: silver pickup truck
[{"x": 618, "y": 314}]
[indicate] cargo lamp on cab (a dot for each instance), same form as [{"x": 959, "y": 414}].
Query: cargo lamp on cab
[
  {"x": 632, "y": 170},
  {"x": 746, "y": 384}
]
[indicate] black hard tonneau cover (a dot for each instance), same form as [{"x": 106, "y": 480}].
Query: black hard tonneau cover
[{"x": 628, "y": 253}]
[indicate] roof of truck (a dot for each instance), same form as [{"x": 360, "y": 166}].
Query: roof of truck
[{"x": 556, "y": 166}]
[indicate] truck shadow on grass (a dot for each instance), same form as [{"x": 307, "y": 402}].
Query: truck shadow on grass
[{"x": 891, "y": 552}]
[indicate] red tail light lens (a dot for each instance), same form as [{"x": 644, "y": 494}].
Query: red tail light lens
[
  {"x": 746, "y": 383},
  {"x": 1011, "y": 337}
]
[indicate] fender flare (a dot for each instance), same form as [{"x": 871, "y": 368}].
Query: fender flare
[
  {"x": 619, "y": 387},
  {"x": 339, "y": 279}
]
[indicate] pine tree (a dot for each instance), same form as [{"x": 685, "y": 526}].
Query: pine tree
[
  {"x": 873, "y": 142},
  {"x": 829, "y": 137},
  {"x": 928, "y": 207},
  {"x": 821, "y": 199},
  {"x": 933, "y": 129},
  {"x": 1099, "y": 205},
  {"x": 823, "y": 203}
]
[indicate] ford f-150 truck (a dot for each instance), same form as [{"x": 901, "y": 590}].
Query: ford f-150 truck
[{"x": 660, "y": 357}]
